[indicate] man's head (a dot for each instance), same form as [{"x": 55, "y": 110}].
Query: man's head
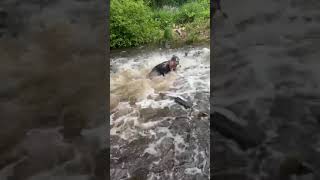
[
  {"x": 175, "y": 58},
  {"x": 174, "y": 61}
]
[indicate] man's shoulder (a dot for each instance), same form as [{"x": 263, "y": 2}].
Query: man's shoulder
[{"x": 163, "y": 64}]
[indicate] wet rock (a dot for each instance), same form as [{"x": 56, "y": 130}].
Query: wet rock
[
  {"x": 202, "y": 115},
  {"x": 140, "y": 174},
  {"x": 131, "y": 151},
  {"x": 245, "y": 136},
  {"x": 130, "y": 156},
  {"x": 166, "y": 162},
  {"x": 200, "y": 129},
  {"x": 118, "y": 174},
  {"x": 166, "y": 145},
  {"x": 178, "y": 111},
  {"x": 180, "y": 126},
  {"x": 183, "y": 102},
  {"x": 148, "y": 113},
  {"x": 201, "y": 103},
  {"x": 184, "y": 158},
  {"x": 151, "y": 113}
]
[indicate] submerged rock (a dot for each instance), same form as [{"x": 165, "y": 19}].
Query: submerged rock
[{"x": 182, "y": 102}]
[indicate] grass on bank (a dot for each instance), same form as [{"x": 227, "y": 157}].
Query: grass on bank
[{"x": 138, "y": 22}]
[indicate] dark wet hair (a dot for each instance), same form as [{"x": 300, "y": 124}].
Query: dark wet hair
[{"x": 175, "y": 58}]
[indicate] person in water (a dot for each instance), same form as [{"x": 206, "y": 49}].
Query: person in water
[{"x": 165, "y": 67}]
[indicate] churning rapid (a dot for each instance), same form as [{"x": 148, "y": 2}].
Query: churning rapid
[{"x": 152, "y": 136}]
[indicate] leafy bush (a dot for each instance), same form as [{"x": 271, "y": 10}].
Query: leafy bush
[
  {"x": 168, "y": 34},
  {"x": 132, "y": 24},
  {"x": 164, "y": 17},
  {"x": 193, "y": 10},
  {"x": 138, "y": 22},
  {"x": 198, "y": 31},
  {"x": 161, "y": 3}
]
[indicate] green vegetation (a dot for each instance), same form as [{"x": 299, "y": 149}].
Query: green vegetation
[
  {"x": 161, "y": 3},
  {"x": 139, "y": 22},
  {"x": 132, "y": 23}
]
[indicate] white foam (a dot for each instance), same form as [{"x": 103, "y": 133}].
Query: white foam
[
  {"x": 193, "y": 171},
  {"x": 178, "y": 141},
  {"x": 150, "y": 103}
]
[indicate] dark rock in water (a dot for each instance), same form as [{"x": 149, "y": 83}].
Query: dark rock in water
[
  {"x": 180, "y": 125},
  {"x": 150, "y": 113},
  {"x": 119, "y": 173},
  {"x": 246, "y": 137},
  {"x": 182, "y": 102},
  {"x": 140, "y": 174},
  {"x": 202, "y": 114},
  {"x": 133, "y": 149},
  {"x": 166, "y": 163},
  {"x": 177, "y": 110}
]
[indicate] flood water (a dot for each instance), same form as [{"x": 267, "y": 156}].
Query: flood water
[{"x": 153, "y": 137}]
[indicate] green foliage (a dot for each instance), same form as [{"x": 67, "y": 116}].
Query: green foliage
[
  {"x": 164, "y": 17},
  {"x": 137, "y": 22},
  {"x": 193, "y": 10},
  {"x": 161, "y": 3},
  {"x": 168, "y": 34},
  {"x": 198, "y": 30},
  {"x": 131, "y": 24}
]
